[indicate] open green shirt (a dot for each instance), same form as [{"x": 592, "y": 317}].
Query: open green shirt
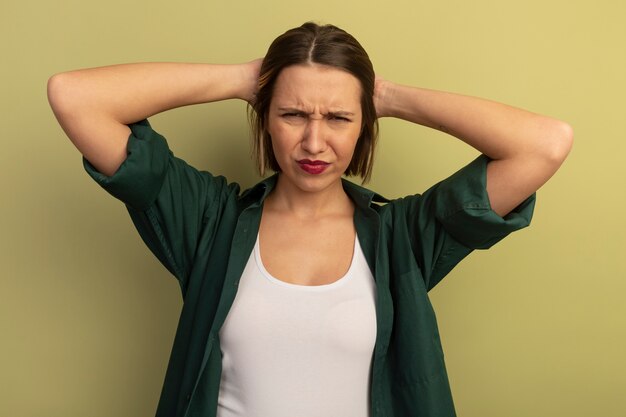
[{"x": 203, "y": 230}]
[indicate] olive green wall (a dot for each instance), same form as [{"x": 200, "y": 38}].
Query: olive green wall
[{"x": 534, "y": 327}]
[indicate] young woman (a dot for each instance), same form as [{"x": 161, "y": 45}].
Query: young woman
[{"x": 305, "y": 295}]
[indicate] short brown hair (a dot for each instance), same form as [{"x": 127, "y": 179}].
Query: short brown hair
[{"x": 324, "y": 45}]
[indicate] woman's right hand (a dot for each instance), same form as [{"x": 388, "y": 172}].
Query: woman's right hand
[
  {"x": 95, "y": 106},
  {"x": 251, "y": 74}
]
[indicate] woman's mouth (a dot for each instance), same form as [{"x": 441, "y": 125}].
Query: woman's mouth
[{"x": 312, "y": 167}]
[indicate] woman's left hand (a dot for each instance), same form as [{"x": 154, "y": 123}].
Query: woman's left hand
[
  {"x": 525, "y": 148},
  {"x": 382, "y": 97}
]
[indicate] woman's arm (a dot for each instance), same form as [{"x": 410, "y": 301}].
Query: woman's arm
[
  {"x": 94, "y": 106},
  {"x": 526, "y": 148}
]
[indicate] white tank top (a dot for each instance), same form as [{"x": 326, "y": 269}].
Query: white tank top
[{"x": 298, "y": 351}]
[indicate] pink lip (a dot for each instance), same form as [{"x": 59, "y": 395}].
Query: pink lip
[{"x": 313, "y": 167}]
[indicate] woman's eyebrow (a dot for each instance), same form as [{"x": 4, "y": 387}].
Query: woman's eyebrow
[
  {"x": 341, "y": 113},
  {"x": 330, "y": 113},
  {"x": 292, "y": 110}
]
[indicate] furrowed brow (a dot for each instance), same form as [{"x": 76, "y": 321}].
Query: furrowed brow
[
  {"x": 340, "y": 113},
  {"x": 292, "y": 109}
]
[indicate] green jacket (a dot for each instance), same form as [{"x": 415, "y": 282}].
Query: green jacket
[{"x": 203, "y": 230}]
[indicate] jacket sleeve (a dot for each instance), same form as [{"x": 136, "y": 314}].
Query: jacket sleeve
[
  {"x": 170, "y": 202},
  {"x": 454, "y": 217}
]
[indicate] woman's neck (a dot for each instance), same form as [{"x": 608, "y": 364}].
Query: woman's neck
[{"x": 305, "y": 204}]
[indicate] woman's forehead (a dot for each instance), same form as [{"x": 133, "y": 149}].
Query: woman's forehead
[{"x": 306, "y": 86}]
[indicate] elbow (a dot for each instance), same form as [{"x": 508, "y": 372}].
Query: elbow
[
  {"x": 54, "y": 90},
  {"x": 67, "y": 93},
  {"x": 59, "y": 93},
  {"x": 560, "y": 140}
]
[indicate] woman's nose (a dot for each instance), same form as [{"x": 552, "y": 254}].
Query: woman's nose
[{"x": 313, "y": 139}]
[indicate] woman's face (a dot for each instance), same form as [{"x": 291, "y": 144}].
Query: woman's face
[{"x": 314, "y": 121}]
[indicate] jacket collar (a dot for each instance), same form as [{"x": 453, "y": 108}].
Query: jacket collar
[{"x": 361, "y": 196}]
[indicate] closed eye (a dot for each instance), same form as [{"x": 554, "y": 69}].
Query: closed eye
[
  {"x": 293, "y": 114},
  {"x": 338, "y": 118}
]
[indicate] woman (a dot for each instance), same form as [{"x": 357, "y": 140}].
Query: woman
[{"x": 305, "y": 295}]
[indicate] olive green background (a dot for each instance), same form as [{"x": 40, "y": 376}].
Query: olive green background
[{"x": 534, "y": 327}]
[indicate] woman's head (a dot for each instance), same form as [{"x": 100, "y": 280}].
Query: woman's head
[{"x": 311, "y": 44}]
